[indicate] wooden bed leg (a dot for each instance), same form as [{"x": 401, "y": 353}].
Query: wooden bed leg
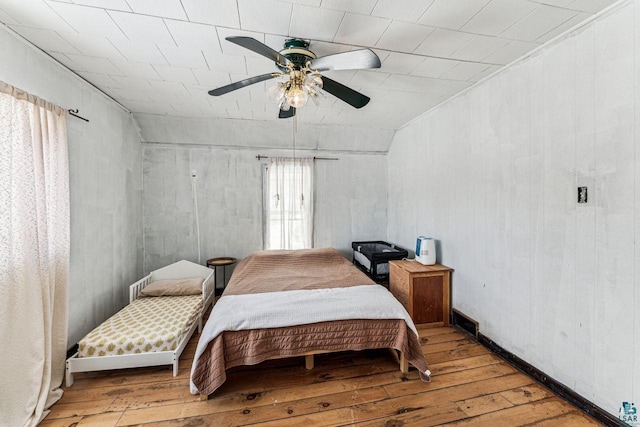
[
  {"x": 204, "y": 397},
  {"x": 404, "y": 364},
  {"x": 308, "y": 361}
]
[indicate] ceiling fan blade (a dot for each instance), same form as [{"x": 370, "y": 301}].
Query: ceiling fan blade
[
  {"x": 242, "y": 83},
  {"x": 345, "y": 93},
  {"x": 287, "y": 114},
  {"x": 354, "y": 60},
  {"x": 259, "y": 47}
]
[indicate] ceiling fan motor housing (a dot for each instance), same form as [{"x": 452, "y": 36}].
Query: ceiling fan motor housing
[{"x": 296, "y": 51}]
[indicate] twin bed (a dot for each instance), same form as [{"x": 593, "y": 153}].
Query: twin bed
[
  {"x": 152, "y": 330},
  {"x": 286, "y": 304}
]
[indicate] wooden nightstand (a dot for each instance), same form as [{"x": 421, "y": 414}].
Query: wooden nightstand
[{"x": 424, "y": 290}]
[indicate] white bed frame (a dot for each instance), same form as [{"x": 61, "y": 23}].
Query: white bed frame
[{"x": 179, "y": 270}]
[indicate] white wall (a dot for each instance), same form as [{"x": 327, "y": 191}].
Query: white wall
[
  {"x": 493, "y": 174},
  {"x": 350, "y": 201},
  {"x": 105, "y": 163}
]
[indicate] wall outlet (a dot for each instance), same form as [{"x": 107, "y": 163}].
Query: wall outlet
[
  {"x": 193, "y": 173},
  {"x": 582, "y": 194}
]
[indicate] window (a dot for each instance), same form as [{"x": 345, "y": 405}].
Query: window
[{"x": 288, "y": 203}]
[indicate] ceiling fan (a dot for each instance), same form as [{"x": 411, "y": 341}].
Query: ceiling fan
[{"x": 303, "y": 69}]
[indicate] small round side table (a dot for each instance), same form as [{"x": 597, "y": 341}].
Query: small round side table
[{"x": 221, "y": 262}]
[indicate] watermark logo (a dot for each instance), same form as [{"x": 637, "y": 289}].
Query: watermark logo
[{"x": 628, "y": 414}]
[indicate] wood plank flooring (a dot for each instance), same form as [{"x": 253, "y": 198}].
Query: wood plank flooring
[{"x": 470, "y": 386}]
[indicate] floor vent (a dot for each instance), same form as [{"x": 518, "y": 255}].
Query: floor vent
[{"x": 464, "y": 322}]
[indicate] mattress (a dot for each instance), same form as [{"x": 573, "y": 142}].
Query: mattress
[
  {"x": 145, "y": 325},
  {"x": 278, "y": 271}
]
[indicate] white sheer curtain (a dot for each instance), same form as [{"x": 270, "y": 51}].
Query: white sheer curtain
[
  {"x": 34, "y": 255},
  {"x": 289, "y": 203}
]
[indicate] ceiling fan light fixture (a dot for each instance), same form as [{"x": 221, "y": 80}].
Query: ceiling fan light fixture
[
  {"x": 277, "y": 92},
  {"x": 296, "y": 97}
]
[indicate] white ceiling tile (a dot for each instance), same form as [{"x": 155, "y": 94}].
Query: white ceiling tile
[
  {"x": 492, "y": 69},
  {"x": 141, "y": 70},
  {"x": 559, "y": 3},
  {"x": 148, "y": 107},
  {"x": 403, "y": 36},
  {"x": 399, "y": 82},
  {"x": 143, "y": 28},
  {"x": 325, "y": 48},
  {"x": 465, "y": 71},
  {"x": 314, "y": 3},
  {"x": 511, "y": 52},
  {"x": 430, "y": 85},
  {"x": 400, "y": 63},
  {"x": 230, "y": 63},
  {"x": 580, "y": 17},
  {"x": 183, "y": 57},
  {"x": 99, "y": 79},
  {"x": 266, "y": 16},
  {"x": 139, "y": 51},
  {"x": 45, "y": 39},
  {"x": 258, "y": 66},
  {"x": 192, "y": 35},
  {"x": 164, "y": 8},
  {"x": 443, "y": 43},
  {"x": 167, "y": 88},
  {"x": 65, "y": 60},
  {"x": 452, "y": 87},
  {"x": 134, "y": 83},
  {"x": 452, "y": 14},
  {"x": 361, "y": 30},
  {"x": 341, "y": 75},
  {"x": 6, "y": 19},
  {"x": 479, "y": 48},
  {"x": 434, "y": 67},
  {"x": 593, "y": 6},
  {"x": 404, "y": 10},
  {"x": 175, "y": 74},
  {"x": 363, "y": 7},
  {"x": 213, "y": 79},
  {"x": 33, "y": 13},
  {"x": 92, "y": 45},
  {"x": 275, "y": 42},
  {"x": 498, "y": 15},
  {"x": 127, "y": 94},
  {"x": 89, "y": 20},
  {"x": 108, "y": 4},
  {"x": 219, "y": 12},
  {"x": 234, "y": 49},
  {"x": 314, "y": 23},
  {"x": 538, "y": 23},
  {"x": 368, "y": 79},
  {"x": 94, "y": 64}
]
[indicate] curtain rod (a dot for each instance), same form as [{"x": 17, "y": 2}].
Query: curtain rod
[
  {"x": 75, "y": 112},
  {"x": 260, "y": 157}
]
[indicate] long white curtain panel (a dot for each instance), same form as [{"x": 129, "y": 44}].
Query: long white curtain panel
[
  {"x": 34, "y": 254},
  {"x": 289, "y": 203}
]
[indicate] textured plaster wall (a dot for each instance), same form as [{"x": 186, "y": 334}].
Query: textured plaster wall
[
  {"x": 493, "y": 174},
  {"x": 105, "y": 160},
  {"x": 350, "y": 201}
]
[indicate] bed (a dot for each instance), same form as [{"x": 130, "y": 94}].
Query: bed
[
  {"x": 299, "y": 303},
  {"x": 151, "y": 330}
]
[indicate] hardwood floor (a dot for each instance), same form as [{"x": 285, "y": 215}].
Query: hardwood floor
[{"x": 470, "y": 386}]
